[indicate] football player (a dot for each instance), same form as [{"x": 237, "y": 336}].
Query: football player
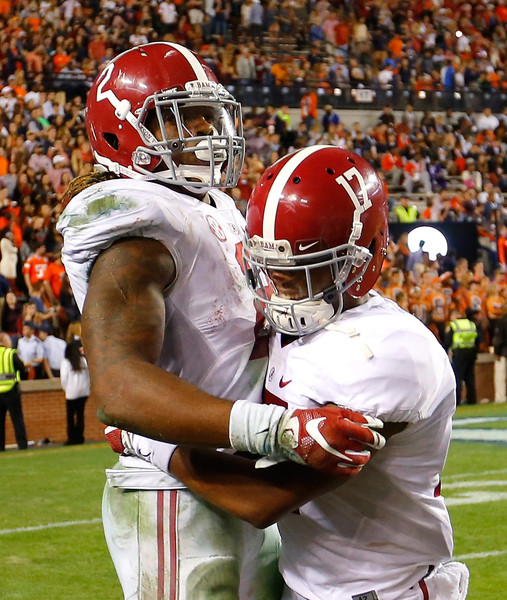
[
  {"x": 153, "y": 253},
  {"x": 316, "y": 237}
]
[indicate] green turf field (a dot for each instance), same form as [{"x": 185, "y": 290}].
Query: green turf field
[{"x": 52, "y": 548}]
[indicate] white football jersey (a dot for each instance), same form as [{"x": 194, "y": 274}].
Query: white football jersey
[
  {"x": 210, "y": 315},
  {"x": 381, "y": 530}
]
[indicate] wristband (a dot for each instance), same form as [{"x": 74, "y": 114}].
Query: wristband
[
  {"x": 253, "y": 427},
  {"x": 157, "y": 453}
]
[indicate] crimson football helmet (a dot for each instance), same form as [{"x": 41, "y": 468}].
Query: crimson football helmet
[
  {"x": 142, "y": 92},
  {"x": 318, "y": 214}
]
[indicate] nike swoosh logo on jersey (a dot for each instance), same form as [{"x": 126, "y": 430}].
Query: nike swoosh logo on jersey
[
  {"x": 303, "y": 247},
  {"x": 312, "y": 428},
  {"x": 283, "y": 383}
]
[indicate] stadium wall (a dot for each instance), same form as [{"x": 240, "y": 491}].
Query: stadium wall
[{"x": 45, "y": 415}]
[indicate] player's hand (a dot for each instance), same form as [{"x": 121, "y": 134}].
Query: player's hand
[
  {"x": 114, "y": 437},
  {"x": 329, "y": 439}
]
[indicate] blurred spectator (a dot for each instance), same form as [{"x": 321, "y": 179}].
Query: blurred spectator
[
  {"x": 53, "y": 278},
  {"x": 31, "y": 351},
  {"x": 415, "y": 260},
  {"x": 75, "y": 381},
  {"x": 35, "y": 266},
  {"x": 309, "y": 108},
  {"x": 11, "y": 312},
  {"x": 415, "y": 175},
  {"x": 487, "y": 120},
  {"x": 9, "y": 259},
  {"x": 54, "y": 349},
  {"x": 330, "y": 117}
]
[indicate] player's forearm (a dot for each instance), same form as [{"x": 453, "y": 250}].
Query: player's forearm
[
  {"x": 144, "y": 399},
  {"x": 232, "y": 483}
]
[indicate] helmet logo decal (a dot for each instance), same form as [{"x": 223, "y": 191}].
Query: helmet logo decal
[
  {"x": 303, "y": 247},
  {"x": 216, "y": 228},
  {"x": 122, "y": 107},
  {"x": 106, "y": 76},
  {"x": 360, "y": 204}
]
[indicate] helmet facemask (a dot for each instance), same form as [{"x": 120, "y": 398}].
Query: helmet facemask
[
  {"x": 225, "y": 145},
  {"x": 346, "y": 264},
  {"x": 220, "y": 151}
]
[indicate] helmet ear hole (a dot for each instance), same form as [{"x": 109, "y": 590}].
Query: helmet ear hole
[{"x": 112, "y": 140}]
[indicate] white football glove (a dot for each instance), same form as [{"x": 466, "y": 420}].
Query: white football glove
[{"x": 157, "y": 453}]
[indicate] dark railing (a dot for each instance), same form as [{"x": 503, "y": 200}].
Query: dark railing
[
  {"x": 362, "y": 98},
  {"x": 343, "y": 96}
]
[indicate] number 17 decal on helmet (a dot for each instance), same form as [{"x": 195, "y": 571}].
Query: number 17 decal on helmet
[{"x": 316, "y": 229}]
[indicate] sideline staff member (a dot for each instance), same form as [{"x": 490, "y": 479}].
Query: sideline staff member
[
  {"x": 12, "y": 370},
  {"x": 463, "y": 339}
]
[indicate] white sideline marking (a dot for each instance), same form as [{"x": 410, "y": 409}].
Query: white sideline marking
[
  {"x": 461, "y": 476},
  {"x": 476, "y": 498},
  {"x": 479, "y": 435},
  {"x": 476, "y": 484},
  {"x": 481, "y": 554},
  {"x": 475, "y": 420},
  {"x": 49, "y": 526}
]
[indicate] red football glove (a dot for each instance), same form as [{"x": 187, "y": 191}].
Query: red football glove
[{"x": 329, "y": 439}]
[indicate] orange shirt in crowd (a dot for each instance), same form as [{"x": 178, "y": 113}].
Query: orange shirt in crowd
[
  {"x": 54, "y": 275},
  {"x": 437, "y": 304},
  {"x": 390, "y": 160},
  {"x": 501, "y": 12},
  {"x": 34, "y": 23},
  {"x": 460, "y": 299},
  {"x": 395, "y": 45},
  {"x": 502, "y": 249},
  {"x": 60, "y": 61},
  {"x": 280, "y": 73},
  {"x": 419, "y": 309},
  {"x": 309, "y": 105},
  {"x": 392, "y": 290},
  {"x": 36, "y": 267},
  {"x": 5, "y": 7},
  {"x": 426, "y": 214},
  {"x": 342, "y": 33},
  {"x": 494, "y": 304},
  {"x": 4, "y": 165}
]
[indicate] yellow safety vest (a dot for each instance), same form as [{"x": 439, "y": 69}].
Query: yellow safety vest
[
  {"x": 464, "y": 333},
  {"x": 8, "y": 374},
  {"x": 406, "y": 215}
]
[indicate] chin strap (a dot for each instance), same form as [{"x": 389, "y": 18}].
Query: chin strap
[{"x": 300, "y": 318}]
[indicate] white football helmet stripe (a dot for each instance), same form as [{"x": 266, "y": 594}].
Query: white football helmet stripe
[{"x": 268, "y": 225}]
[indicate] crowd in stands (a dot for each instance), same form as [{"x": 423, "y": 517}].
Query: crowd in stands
[
  {"x": 433, "y": 290},
  {"x": 455, "y": 162}
]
